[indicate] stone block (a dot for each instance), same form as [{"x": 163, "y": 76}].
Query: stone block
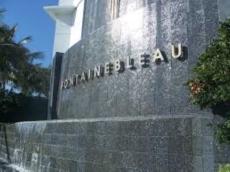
[
  {"x": 112, "y": 128},
  {"x": 196, "y": 127},
  {"x": 46, "y": 138},
  {"x": 197, "y": 163},
  {"x": 147, "y": 92},
  {"x": 82, "y": 141},
  {"x": 208, "y": 146},
  {"x": 129, "y": 160},
  {"x": 158, "y": 128},
  {"x": 207, "y": 160},
  {"x": 222, "y": 153},
  {"x": 195, "y": 5},
  {"x": 188, "y": 146},
  {"x": 180, "y": 163},
  {"x": 159, "y": 145},
  {"x": 207, "y": 130},
  {"x": 197, "y": 144},
  {"x": 100, "y": 128},
  {"x": 144, "y": 161},
  {"x": 134, "y": 94},
  {"x": 175, "y": 145},
  {"x": 160, "y": 162}
]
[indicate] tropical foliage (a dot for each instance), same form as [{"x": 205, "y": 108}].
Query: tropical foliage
[
  {"x": 224, "y": 168},
  {"x": 210, "y": 86},
  {"x": 8, "y": 101},
  {"x": 17, "y": 67}
]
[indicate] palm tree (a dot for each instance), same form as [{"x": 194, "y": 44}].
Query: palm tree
[
  {"x": 36, "y": 81},
  {"x": 12, "y": 53},
  {"x": 16, "y": 60},
  {"x": 17, "y": 63}
]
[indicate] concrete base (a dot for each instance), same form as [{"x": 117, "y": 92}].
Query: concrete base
[{"x": 178, "y": 143}]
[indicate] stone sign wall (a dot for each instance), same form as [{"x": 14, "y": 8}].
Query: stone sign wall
[
  {"x": 137, "y": 119},
  {"x": 143, "y": 27}
]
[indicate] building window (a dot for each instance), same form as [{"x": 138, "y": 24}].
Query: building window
[{"x": 114, "y": 8}]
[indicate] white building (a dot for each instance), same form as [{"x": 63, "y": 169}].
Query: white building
[{"x": 69, "y": 18}]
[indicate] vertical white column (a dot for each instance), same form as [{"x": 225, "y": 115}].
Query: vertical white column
[
  {"x": 62, "y": 37},
  {"x": 76, "y": 30}
]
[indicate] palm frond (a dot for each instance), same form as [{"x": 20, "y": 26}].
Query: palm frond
[
  {"x": 25, "y": 40},
  {"x": 13, "y": 30},
  {"x": 2, "y": 10},
  {"x": 35, "y": 56}
]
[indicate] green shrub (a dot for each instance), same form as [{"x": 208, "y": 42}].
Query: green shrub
[
  {"x": 210, "y": 86},
  {"x": 211, "y": 83},
  {"x": 8, "y": 101},
  {"x": 224, "y": 168}
]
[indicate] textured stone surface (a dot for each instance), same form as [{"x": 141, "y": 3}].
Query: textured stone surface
[
  {"x": 142, "y": 27},
  {"x": 116, "y": 144},
  {"x": 138, "y": 120}
]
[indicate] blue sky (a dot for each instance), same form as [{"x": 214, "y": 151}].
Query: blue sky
[{"x": 32, "y": 21}]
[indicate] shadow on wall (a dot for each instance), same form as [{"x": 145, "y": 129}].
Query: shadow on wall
[
  {"x": 30, "y": 109},
  {"x": 54, "y": 86}
]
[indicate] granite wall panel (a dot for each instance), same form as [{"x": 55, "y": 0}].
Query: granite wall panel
[
  {"x": 142, "y": 27},
  {"x": 115, "y": 144},
  {"x": 135, "y": 120}
]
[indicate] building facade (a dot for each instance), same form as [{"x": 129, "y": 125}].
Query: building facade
[
  {"x": 156, "y": 44},
  {"x": 118, "y": 100}
]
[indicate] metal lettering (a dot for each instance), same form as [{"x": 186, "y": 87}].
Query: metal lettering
[
  {"x": 177, "y": 51},
  {"x": 66, "y": 84},
  {"x": 106, "y": 68},
  {"x": 72, "y": 81},
  {"x": 77, "y": 79},
  {"x": 90, "y": 74},
  {"x": 129, "y": 62},
  {"x": 142, "y": 60},
  {"x": 83, "y": 78},
  {"x": 97, "y": 71},
  {"x": 62, "y": 85},
  {"x": 117, "y": 65},
  {"x": 158, "y": 56}
]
